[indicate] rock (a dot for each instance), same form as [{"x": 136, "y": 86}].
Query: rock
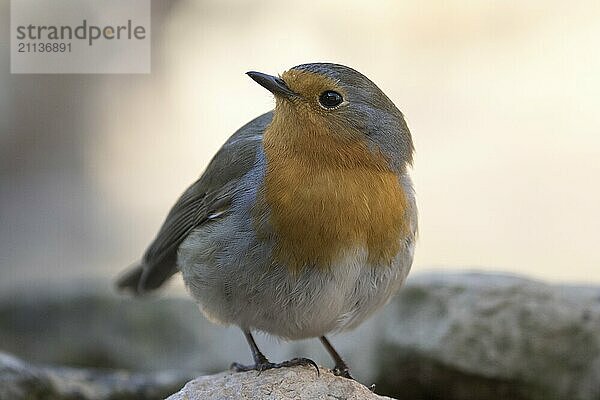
[
  {"x": 95, "y": 327},
  {"x": 22, "y": 381},
  {"x": 482, "y": 336},
  {"x": 297, "y": 383}
]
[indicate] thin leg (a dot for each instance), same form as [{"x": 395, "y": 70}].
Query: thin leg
[
  {"x": 257, "y": 355},
  {"x": 261, "y": 363},
  {"x": 341, "y": 368}
]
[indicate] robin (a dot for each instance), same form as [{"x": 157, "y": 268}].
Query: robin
[{"x": 304, "y": 222}]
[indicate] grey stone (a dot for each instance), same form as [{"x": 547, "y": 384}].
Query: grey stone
[
  {"x": 23, "y": 381},
  {"x": 480, "y": 336},
  {"x": 299, "y": 383}
]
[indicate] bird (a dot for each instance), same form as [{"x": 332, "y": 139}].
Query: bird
[{"x": 304, "y": 223}]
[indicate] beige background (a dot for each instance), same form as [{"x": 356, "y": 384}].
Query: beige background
[{"x": 502, "y": 99}]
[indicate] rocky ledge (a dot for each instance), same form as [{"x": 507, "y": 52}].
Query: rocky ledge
[
  {"x": 23, "y": 381},
  {"x": 299, "y": 383}
]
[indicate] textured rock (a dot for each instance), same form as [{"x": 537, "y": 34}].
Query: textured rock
[
  {"x": 463, "y": 336},
  {"x": 299, "y": 383},
  {"x": 22, "y": 381},
  {"x": 95, "y": 327}
]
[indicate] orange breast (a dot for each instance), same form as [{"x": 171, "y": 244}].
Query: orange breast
[{"x": 328, "y": 193}]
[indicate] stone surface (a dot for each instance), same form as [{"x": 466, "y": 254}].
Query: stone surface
[
  {"x": 299, "y": 383},
  {"x": 22, "y": 381},
  {"x": 446, "y": 335},
  {"x": 93, "y": 326},
  {"x": 481, "y": 336}
]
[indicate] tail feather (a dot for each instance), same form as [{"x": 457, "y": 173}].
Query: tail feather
[
  {"x": 144, "y": 278},
  {"x": 130, "y": 280}
]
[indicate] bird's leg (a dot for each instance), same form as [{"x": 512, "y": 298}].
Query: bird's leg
[
  {"x": 259, "y": 358},
  {"x": 261, "y": 363},
  {"x": 341, "y": 368}
]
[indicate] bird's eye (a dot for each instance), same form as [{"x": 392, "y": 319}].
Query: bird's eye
[{"x": 330, "y": 99}]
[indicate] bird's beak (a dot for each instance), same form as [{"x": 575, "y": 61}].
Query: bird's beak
[{"x": 273, "y": 84}]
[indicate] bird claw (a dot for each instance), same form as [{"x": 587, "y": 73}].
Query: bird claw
[
  {"x": 265, "y": 365},
  {"x": 343, "y": 371}
]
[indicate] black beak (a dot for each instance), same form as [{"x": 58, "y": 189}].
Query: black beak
[{"x": 273, "y": 84}]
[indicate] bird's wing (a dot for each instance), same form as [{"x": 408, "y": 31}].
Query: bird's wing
[{"x": 207, "y": 198}]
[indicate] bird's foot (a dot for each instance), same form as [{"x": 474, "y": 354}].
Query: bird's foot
[
  {"x": 264, "y": 365},
  {"x": 342, "y": 370}
]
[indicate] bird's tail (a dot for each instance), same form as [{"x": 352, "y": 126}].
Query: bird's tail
[
  {"x": 144, "y": 278},
  {"x": 130, "y": 280}
]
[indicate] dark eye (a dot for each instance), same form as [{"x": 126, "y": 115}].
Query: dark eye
[{"x": 330, "y": 99}]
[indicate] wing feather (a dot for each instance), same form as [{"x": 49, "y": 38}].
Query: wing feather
[{"x": 207, "y": 198}]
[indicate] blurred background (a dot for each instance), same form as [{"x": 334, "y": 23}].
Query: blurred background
[{"x": 501, "y": 97}]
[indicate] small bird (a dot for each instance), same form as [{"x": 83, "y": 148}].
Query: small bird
[{"x": 304, "y": 222}]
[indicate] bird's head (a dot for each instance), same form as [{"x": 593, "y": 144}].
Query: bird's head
[{"x": 337, "y": 106}]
